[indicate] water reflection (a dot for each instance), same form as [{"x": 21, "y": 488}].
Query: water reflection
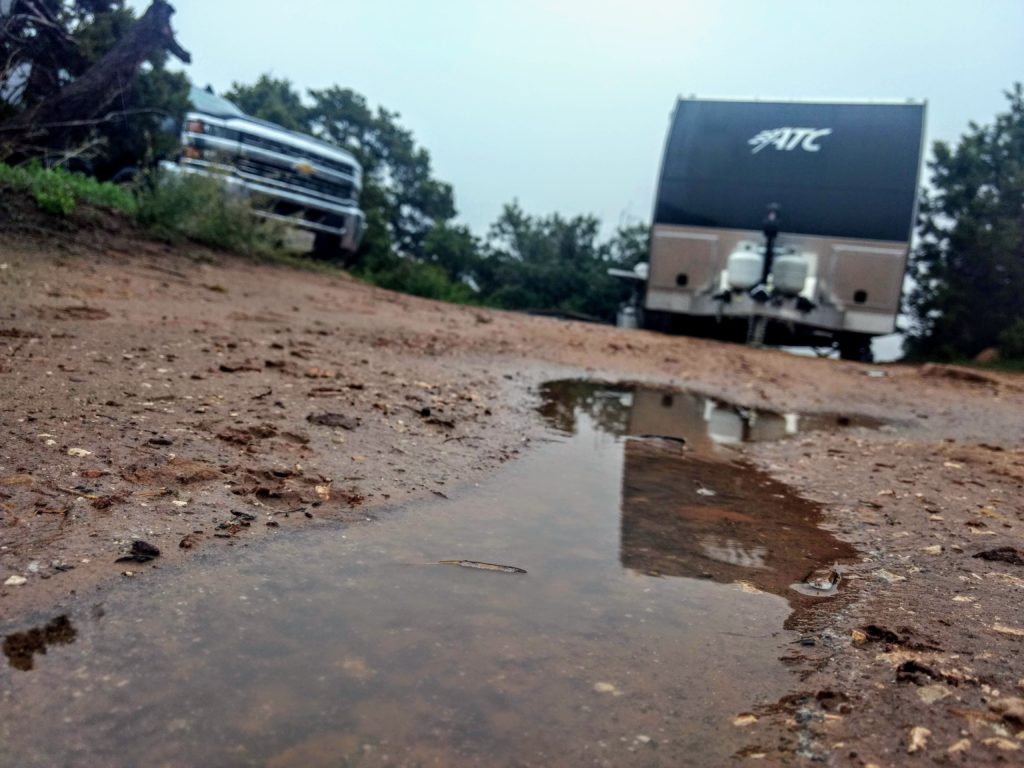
[
  {"x": 697, "y": 512},
  {"x": 703, "y": 421}
]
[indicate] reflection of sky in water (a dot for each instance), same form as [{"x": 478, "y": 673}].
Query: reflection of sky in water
[{"x": 350, "y": 645}]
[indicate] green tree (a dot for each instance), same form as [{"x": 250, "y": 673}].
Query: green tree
[
  {"x": 969, "y": 265},
  {"x": 398, "y": 171},
  {"x": 272, "y": 99},
  {"x": 556, "y": 263}
]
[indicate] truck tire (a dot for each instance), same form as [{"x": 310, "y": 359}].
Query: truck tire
[
  {"x": 327, "y": 247},
  {"x": 855, "y": 347}
]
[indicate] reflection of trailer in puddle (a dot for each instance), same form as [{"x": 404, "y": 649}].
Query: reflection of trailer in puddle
[
  {"x": 691, "y": 514},
  {"x": 704, "y": 421},
  {"x": 684, "y": 515}
]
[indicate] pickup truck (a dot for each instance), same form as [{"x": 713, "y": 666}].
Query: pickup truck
[{"x": 290, "y": 177}]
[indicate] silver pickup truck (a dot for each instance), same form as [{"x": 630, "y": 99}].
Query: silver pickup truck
[{"x": 291, "y": 177}]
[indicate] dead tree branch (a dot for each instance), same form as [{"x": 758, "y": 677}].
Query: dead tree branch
[{"x": 95, "y": 91}]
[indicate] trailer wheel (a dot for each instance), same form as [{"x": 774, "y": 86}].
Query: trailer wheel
[{"x": 856, "y": 347}]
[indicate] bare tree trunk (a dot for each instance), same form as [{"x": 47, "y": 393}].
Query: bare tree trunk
[{"x": 92, "y": 95}]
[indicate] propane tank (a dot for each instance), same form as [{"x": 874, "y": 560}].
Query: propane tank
[
  {"x": 789, "y": 273},
  {"x": 745, "y": 268}
]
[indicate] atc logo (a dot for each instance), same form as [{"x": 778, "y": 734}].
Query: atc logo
[{"x": 788, "y": 139}]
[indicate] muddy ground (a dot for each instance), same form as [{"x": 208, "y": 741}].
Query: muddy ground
[{"x": 196, "y": 401}]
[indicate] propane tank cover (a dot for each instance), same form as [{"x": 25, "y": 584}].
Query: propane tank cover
[
  {"x": 745, "y": 269},
  {"x": 789, "y": 274}
]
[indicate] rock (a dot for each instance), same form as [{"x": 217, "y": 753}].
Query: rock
[
  {"x": 1009, "y": 555},
  {"x": 918, "y": 739},
  {"x": 858, "y": 638},
  {"x": 1002, "y": 744},
  {"x": 606, "y": 688},
  {"x": 930, "y": 694},
  {"x": 333, "y": 420},
  {"x": 79, "y": 453},
  {"x": 959, "y": 746},
  {"x": 141, "y": 552},
  {"x": 889, "y": 577},
  {"x": 1005, "y": 630},
  {"x": 15, "y": 581},
  {"x": 987, "y": 356},
  {"x": 1011, "y": 708},
  {"x": 934, "y": 549},
  {"x": 742, "y": 721}
]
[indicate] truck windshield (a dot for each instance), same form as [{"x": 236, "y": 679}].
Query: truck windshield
[{"x": 211, "y": 104}]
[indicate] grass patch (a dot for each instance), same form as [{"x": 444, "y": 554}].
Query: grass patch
[{"x": 59, "y": 192}]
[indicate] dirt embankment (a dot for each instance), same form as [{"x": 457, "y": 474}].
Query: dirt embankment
[{"x": 194, "y": 405}]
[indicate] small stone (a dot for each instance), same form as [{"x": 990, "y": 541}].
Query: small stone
[
  {"x": 33, "y": 567},
  {"x": 15, "y": 581},
  {"x": 643, "y": 739},
  {"x": 858, "y": 637},
  {"x": 889, "y": 577},
  {"x": 930, "y": 694},
  {"x": 606, "y": 688},
  {"x": 742, "y": 721},
  {"x": 79, "y": 453},
  {"x": 179, "y": 503},
  {"x": 934, "y": 549},
  {"x": 1002, "y": 744},
  {"x": 1011, "y": 708},
  {"x": 918, "y": 739},
  {"x": 959, "y": 746},
  {"x": 1005, "y": 630}
]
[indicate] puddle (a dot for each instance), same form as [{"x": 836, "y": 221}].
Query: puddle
[{"x": 654, "y": 608}]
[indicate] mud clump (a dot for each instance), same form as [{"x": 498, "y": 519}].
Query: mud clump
[{"x": 1009, "y": 555}]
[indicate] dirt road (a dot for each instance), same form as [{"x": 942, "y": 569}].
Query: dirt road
[{"x": 198, "y": 402}]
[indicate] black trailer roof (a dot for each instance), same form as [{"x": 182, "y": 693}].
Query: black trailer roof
[{"x": 835, "y": 169}]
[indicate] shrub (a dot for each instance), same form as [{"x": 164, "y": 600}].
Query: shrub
[
  {"x": 200, "y": 209},
  {"x": 419, "y": 279}
]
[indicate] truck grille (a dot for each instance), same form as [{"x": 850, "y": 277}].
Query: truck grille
[
  {"x": 289, "y": 151},
  {"x": 294, "y": 179}
]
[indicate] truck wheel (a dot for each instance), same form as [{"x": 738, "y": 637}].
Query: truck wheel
[
  {"x": 856, "y": 347},
  {"x": 327, "y": 246}
]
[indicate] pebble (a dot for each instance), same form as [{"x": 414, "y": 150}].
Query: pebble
[
  {"x": 918, "y": 739},
  {"x": 930, "y": 694},
  {"x": 15, "y": 581}
]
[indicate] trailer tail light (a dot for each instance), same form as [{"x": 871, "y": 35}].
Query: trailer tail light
[
  {"x": 192, "y": 153},
  {"x": 195, "y": 126}
]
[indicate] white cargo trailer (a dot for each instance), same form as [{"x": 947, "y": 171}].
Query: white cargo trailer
[{"x": 784, "y": 222}]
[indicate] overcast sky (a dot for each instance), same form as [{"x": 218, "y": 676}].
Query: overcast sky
[{"x": 565, "y": 104}]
